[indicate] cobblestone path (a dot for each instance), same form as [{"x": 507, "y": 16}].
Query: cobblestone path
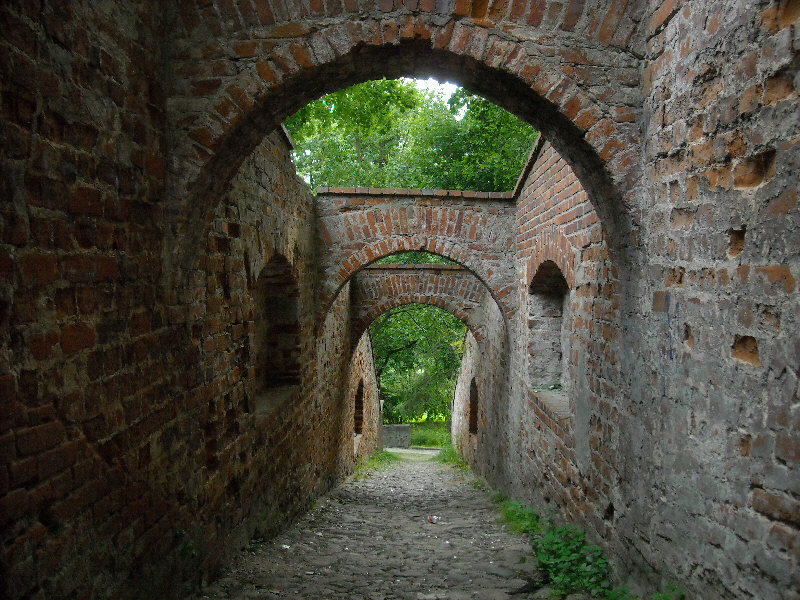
[{"x": 370, "y": 540}]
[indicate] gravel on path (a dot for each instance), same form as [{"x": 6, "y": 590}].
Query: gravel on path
[{"x": 370, "y": 539}]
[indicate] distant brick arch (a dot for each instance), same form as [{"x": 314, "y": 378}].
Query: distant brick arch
[
  {"x": 380, "y": 288},
  {"x": 571, "y": 69},
  {"x": 356, "y": 227}
]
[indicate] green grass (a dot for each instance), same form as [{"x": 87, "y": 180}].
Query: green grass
[
  {"x": 376, "y": 462},
  {"x": 449, "y": 455},
  {"x": 430, "y": 434}
]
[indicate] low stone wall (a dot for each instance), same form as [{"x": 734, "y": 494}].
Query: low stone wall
[{"x": 396, "y": 436}]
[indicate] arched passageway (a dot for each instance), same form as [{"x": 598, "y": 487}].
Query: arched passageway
[
  {"x": 144, "y": 194},
  {"x": 580, "y": 99}
]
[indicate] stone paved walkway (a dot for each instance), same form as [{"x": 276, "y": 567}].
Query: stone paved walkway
[{"x": 369, "y": 540}]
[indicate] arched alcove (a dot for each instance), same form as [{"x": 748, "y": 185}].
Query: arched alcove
[
  {"x": 473, "y": 406},
  {"x": 358, "y": 409},
  {"x": 277, "y": 334},
  {"x": 548, "y": 329}
]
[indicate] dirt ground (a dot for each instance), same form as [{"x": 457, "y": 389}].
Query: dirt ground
[{"x": 370, "y": 539}]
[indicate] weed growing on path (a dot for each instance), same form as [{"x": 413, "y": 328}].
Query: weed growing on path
[{"x": 377, "y": 461}]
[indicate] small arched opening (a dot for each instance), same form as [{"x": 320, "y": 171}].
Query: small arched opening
[
  {"x": 358, "y": 409},
  {"x": 473, "y": 407},
  {"x": 277, "y": 334},
  {"x": 549, "y": 335}
]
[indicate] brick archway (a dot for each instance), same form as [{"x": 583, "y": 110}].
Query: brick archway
[
  {"x": 379, "y": 288},
  {"x": 357, "y": 227},
  {"x": 568, "y": 70}
]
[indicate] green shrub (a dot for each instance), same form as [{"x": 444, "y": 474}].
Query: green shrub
[
  {"x": 572, "y": 565},
  {"x": 569, "y": 564}
]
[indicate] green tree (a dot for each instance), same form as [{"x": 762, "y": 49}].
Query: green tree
[
  {"x": 388, "y": 133},
  {"x": 417, "y": 350}
]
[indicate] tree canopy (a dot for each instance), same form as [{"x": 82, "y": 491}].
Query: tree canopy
[{"x": 389, "y": 133}]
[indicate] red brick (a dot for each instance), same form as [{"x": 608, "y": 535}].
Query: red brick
[
  {"x": 38, "y": 269},
  {"x": 13, "y": 506},
  {"x": 778, "y": 506},
  {"x": 787, "y": 448},
  {"x": 42, "y": 437},
  {"x": 76, "y": 337},
  {"x": 41, "y": 344}
]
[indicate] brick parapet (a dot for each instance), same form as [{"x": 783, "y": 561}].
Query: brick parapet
[{"x": 435, "y": 193}]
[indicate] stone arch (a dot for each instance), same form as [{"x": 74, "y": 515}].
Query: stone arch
[
  {"x": 447, "y": 304},
  {"x": 458, "y": 253},
  {"x": 570, "y": 73},
  {"x": 552, "y": 245}
]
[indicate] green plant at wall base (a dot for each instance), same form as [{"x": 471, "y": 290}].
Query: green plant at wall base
[
  {"x": 570, "y": 564},
  {"x": 450, "y": 456},
  {"x": 518, "y": 518},
  {"x": 670, "y": 592},
  {"x": 377, "y": 461}
]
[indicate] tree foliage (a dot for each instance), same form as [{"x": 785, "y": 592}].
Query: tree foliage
[
  {"x": 388, "y": 133},
  {"x": 414, "y": 258},
  {"x": 417, "y": 350}
]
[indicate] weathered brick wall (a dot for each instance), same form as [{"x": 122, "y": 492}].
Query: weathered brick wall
[
  {"x": 133, "y": 437},
  {"x": 485, "y": 361},
  {"x": 362, "y": 375},
  {"x": 560, "y": 444},
  {"x": 84, "y": 350},
  {"x": 716, "y": 347}
]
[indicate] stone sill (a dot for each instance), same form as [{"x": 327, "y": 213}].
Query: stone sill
[
  {"x": 268, "y": 399},
  {"x": 356, "y": 442},
  {"x": 556, "y": 403}
]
